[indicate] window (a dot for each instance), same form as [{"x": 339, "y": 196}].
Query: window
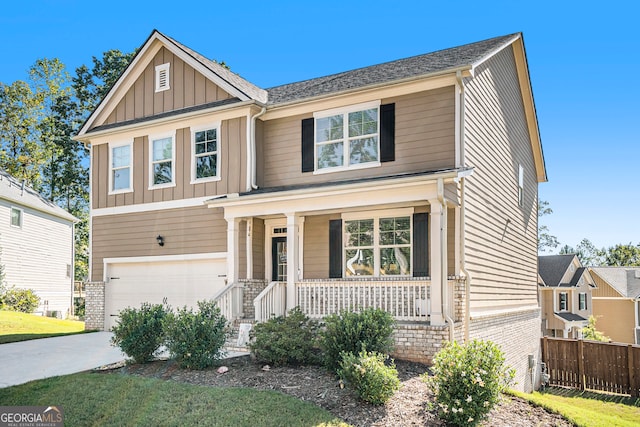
[
  {"x": 378, "y": 246},
  {"x": 162, "y": 164},
  {"x": 120, "y": 168},
  {"x": 563, "y": 301},
  {"x": 205, "y": 153},
  {"x": 162, "y": 77},
  {"x": 582, "y": 301},
  {"x": 347, "y": 138},
  {"x": 520, "y": 185},
  {"x": 68, "y": 270},
  {"x": 16, "y": 217}
]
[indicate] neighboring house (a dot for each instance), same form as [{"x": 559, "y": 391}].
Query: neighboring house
[
  {"x": 36, "y": 239},
  {"x": 616, "y": 302},
  {"x": 410, "y": 185},
  {"x": 565, "y": 295}
]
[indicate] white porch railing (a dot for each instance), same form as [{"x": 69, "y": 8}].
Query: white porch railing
[
  {"x": 271, "y": 302},
  {"x": 230, "y": 301},
  {"x": 403, "y": 299}
]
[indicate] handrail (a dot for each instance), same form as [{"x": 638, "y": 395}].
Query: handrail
[
  {"x": 230, "y": 300},
  {"x": 270, "y": 302}
]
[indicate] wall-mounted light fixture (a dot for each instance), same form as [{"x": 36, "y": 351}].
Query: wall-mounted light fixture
[{"x": 160, "y": 240}]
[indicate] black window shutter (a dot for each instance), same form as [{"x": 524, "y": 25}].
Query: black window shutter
[
  {"x": 307, "y": 145},
  {"x": 335, "y": 248},
  {"x": 387, "y": 132},
  {"x": 420, "y": 245}
]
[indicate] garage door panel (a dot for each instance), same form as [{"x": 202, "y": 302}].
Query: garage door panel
[{"x": 179, "y": 282}]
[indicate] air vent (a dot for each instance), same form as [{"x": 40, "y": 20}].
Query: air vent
[{"x": 162, "y": 77}]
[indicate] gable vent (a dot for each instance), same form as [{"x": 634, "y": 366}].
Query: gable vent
[{"x": 162, "y": 77}]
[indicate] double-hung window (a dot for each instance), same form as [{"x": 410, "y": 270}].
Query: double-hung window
[
  {"x": 162, "y": 163},
  {"x": 121, "y": 167},
  {"x": 206, "y": 153},
  {"x": 16, "y": 217},
  {"x": 378, "y": 245},
  {"x": 582, "y": 301},
  {"x": 347, "y": 138},
  {"x": 563, "y": 301}
]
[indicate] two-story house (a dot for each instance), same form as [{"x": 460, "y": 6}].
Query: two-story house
[
  {"x": 36, "y": 246},
  {"x": 565, "y": 295},
  {"x": 410, "y": 185}
]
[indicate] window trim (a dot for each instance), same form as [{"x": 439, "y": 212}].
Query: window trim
[
  {"x": 113, "y": 145},
  {"x": 217, "y": 177},
  {"x": 580, "y": 307},
  {"x": 152, "y": 139},
  {"x": 21, "y": 211},
  {"x": 566, "y": 301},
  {"x": 376, "y": 215},
  {"x": 159, "y": 70},
  {"x": 345, "y": 111}
]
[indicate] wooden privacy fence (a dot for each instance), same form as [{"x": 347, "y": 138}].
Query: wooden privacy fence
[{"x": 591, "y": 365}]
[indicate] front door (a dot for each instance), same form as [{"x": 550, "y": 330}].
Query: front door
[{"x": 279, "y": 259}]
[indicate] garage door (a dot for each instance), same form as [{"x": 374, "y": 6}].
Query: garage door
[{"x": 180, "y": 282}]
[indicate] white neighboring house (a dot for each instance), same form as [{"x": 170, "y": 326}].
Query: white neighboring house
[{"x": 36, "y": 238}]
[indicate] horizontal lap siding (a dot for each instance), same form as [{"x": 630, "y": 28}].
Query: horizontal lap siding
[
  {"x": 615, "y": 319},
  {"x": 424, "y": 140},
  {"x": 501, "y": 248},
  {"x": 185, "y": 231},
  {"x": 232, "y": 163},
  {"x": 316, "y": 246}
]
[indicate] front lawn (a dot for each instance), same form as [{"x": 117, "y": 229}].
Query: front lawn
[
  {"x": 586, "y": 409},
  {"x": 16, "y": 326},
  {"x": 114, "y": 399}
]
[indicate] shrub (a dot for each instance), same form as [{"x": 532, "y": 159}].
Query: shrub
[
  {"x": 139, "y": 332},
  {"x": 18, "y": 299},
  {"x": 367, "y": 373},
  {"x": 350, "y": 332},
  {"x": 289, "y": 340},
  {"x": 467, "y": 380},
  {"x": 196, "y": 339}
]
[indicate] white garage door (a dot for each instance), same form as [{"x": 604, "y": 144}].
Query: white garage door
[{"x": 180, "y": 282}]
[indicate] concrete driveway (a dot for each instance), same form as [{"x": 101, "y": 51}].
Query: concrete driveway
[{"x": 25, "y": 361}]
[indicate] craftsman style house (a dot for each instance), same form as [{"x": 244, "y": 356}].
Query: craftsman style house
[
  {"x": 410, "y": 185},
  {"x": 565, "y": 295}
]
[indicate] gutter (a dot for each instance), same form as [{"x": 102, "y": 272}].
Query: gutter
[
  {"x": 443, "y": 265},
  {"x": 251, "y": 150}
]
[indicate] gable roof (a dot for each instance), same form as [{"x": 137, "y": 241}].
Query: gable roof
[
  {"x": 625, "y": 280},
  {"x": 552, "y": 267},
  {"x": 442, "y": 61},
  {"x": 15, "y": 192}
]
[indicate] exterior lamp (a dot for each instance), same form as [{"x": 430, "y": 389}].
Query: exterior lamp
[{"x": 160, "y": 240}]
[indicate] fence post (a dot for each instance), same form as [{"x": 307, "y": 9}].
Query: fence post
[
  {"x": 634, "y": 384},
  {"x": 581, "y": 379}
]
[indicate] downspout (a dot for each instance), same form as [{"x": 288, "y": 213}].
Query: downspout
[
  {"x": 463, "y": 265},
  {"x": 251, "y": 151},
  {"x": 443, "y": 264}
]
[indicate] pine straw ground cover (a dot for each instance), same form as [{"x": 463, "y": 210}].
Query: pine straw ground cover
[{"x": 412, "y": 405}]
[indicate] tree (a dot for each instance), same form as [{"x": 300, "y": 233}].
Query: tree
[
  {"x": 623, "y": 255},
  {"x": 590, "y": 332},
  {"x": 545, "y": 240},
  {"x": 587, "y": 253}
]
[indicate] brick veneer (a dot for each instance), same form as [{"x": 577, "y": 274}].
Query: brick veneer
[{"x": 94, "y": 306}]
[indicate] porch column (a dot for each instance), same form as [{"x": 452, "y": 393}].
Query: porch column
[
  {"x": 233, "y": 254},
  {"x": 293, "y": 247},
  {"x": 438, "y": 263},
  {"x": 249, "y": 248}
]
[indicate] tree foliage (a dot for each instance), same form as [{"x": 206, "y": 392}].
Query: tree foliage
[
  {"x": 545, "y": 239},
  {"x": 590, "y": 332},
  {"x": 623, "y": 255}
]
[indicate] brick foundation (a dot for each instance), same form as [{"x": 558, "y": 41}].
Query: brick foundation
[
  {"x": 94, "y": 306},
  {"x": 419, "y": 342},
  {"x": 252, "y": 288}
]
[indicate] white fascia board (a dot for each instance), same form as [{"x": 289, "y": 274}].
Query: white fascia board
[
  {"x": 149, "y": 207},
  {"x": 494, "y": 52}
]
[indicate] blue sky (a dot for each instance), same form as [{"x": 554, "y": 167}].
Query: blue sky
[{"x": 582, "y": 61}]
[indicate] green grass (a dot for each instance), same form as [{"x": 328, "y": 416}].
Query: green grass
[
  {"x": 587, "y": 409},
  {"x": 15, "y": 326},
  {"x": 115, "y": 399}
]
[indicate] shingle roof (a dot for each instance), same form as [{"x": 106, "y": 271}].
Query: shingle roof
[
  {"x": 626, "y": 280},
  {"x": 402, "y": 69},
  {"x": 552, "y": 267},
  {"x": 11, "y": 189},
  {"x": 571, "y": 317}
]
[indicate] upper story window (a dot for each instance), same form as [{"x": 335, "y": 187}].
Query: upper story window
[
  {"x": 205, "y": 160},
  {"x": 378, "y": 246},
  {"x": 120, "y": 165},
  {"x": 16, "y": 217},
  {"x": 520, "y": 185},
  {"x": 347, "y": 138},
  {"x": 582, "y": 301},
  {"x": 563, "y": 301},
  {"x": 162, "y": 164},
  {"x": 162, "y": 77}
]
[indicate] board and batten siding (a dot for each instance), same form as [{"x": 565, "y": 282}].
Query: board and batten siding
[
  {"x": 37, "y": 255},
  {"x": 424, "y": 140},
  {"x": 232, "y": 154},
  {"x": 500, "y": 235},
  {"x": 187, "y": 88},
  {"x": 193, "y": 230}
]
